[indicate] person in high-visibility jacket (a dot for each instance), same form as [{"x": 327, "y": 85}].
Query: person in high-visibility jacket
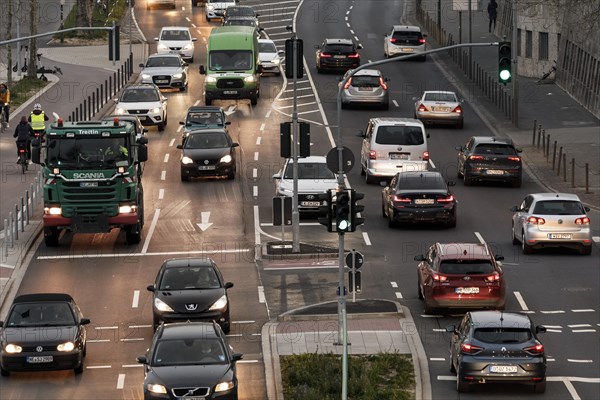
[
  {"x": 38, "y": 119},
  {"x": 5, "y": 101}
]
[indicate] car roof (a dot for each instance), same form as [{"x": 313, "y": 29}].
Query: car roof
[
  {"x": 141, "y": 86},
  {"x": 164, "y": 55},
  {"x": 187, "y": 330},
  {"x": 242, "y": 17},
  {"x": 496, "y": 318},
  {"x": 396, "y": 121},
  {"x": 207, "y": 131},
  {"x": 491, "y": 139},
  {"x": 175, "y": 28},
  {"x": 339, "y": 41},
  {"x": 439, "y": 91},
  {"x": 407, "y": 28},
  {"x": 555, "y": 196},
  {"x": 368, "y": 71},
  {"x": 205, "y": 109},
  {"x": 417, "y": 174},
  {"x": 188, "y": 262},
  {"x": 464, "y": 251},
  {"x": 35, "y": 297},
  {"x": 311, "y": 159}
]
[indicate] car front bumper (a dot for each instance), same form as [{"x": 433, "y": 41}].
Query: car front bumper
[
  {"x": 170, "y": 81},
  {"x": 60, "y": 361},
  {"x": 185, "y": 54},
  {"x": 194, "y": 170}
]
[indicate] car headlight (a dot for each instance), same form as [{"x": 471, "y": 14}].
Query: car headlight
[
  {"x": 127, "y": 209},
  {"x": 211, "y": 79},
  {"x": 226, "y": 159},
  {"x": 177, "y": 76},
  {"x": 249, "y": 78},
  {"x": 52, "y": 210},
  {"x": 275, "y": 61},
  {"x": 120, "y": 111},
  {"x": 69, "y": 346},
  {"x": 12, "y": 348},
  {"x": 161, "y": 306},
  {"x": 188, "y": 46},
  {"x": 219, "y": 304},
  {"x": 156, "y": 110},
  {"x": 286, "y": 191},
  {"x": 161, "y": 47},
  {"x": 186, "y": 160},
  {"x": 210, "y": 7},
  {"x": 156, "y": 388},
  {"x": 146, "y": 76},
  {"x": 223, "y": 386}
]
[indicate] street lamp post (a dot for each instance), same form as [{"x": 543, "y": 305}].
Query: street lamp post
[{"x": 62, "y": 21}]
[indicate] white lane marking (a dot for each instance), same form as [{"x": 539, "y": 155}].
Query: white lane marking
[
  {"x": 197, "y": 102},
  {"x": 255, "y": 191},
  {"x": 395, "y": 103},
  {"x": 551, "y": 359},
  {"x": 204, "y": 224},
  {"x": 157, "y": 253},
  {"x": 399, "y": 295},
  {"x": 431, "y": 316},
  {"x": 180, "y": 128},
  {"x": 97, "y": 366},
  {"x": 163, "y": 175},
  {"x": 258, "y": 140},
  {"x": 521, "y": 301},
  {"x": 254, "y": 173},
  {"x": 244, "y": 334},
  {"x": 350, "y": 8},
  {"x": 583, "y": 330},
  {"x": 394, "y": 284},
  {"x": 479, "y": 237},
  {"x": 257, "y": 229},
  {"x": 348, "y": 12},
  {"x": 357, "y": 39},
  {"x": 437, "y": 359},
  {"x": 161, "y": 194},
  {"x": 256, "y": 156},
  {"x": 137, "y": 339},
  {"x": 102, "y": 328},
  {"x": 247, "y": 361},
  {"x": 446, "y": 378},
  {"x": 194, "y": 26},
  {"x": 136, "y": 299},
  {"x": 268, "y": 114},
  {"x": 352, "y": 31},
  {"x": 172, "y": 142},
  {"x": 553, "y": 326},
  {"x": 293, "y": 268},
  {"x": 131, "y": 365},
  {"x": 346, "y": 18},
  {"x": 584, "y": 310},
  {"x": 187, "y": 18},
  {"x": 139, "y": 326},
  {"x": 166, "y": 158},
  {"x": 553, "y": 312},
  {"x": 580, "y": 326},
  {"x": 151, "y": 230},
  {"x": 348, "y": 25},
  {"x": 262, "y": 127},
  {"x": 579, "y": 361},
  {"x": 596, "y": 239},
  {"x": 431, "y": 163},
  {"x": 243, "y": 322},
  {"x": 301, "y": 224},
  {"x": 439, "y": 330},
  {"x": 98, "y": 340},
  {"x": 571, "y": 389},
  {"x": 366, "y": 238},
  {"x": 573, "y": 379},
  {"x": 261, "y": 294},
  {"x": 553, "y": 330},
  {"x": 121, "y": 381}
]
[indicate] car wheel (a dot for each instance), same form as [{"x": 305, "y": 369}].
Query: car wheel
[
  {"x": 385, "y": 106},
  {"x": 231, "y": 175},
  {"x": 452, "y": 222},
  {"x": 515, "y": 241},
  {"x": 161, "y": 126},
  {"x": 467, "y": 180},
  {"x": 424, "y": 58},
  {"x": 207, "y": 101},
  {"x": 391, "y": 222},
  {"x": 452, "y": 368},
  {"x": 516, "y": 183},
  {"x": 173, "y": 6},
  {"x": 368, "y": 178},
  {"x": 133, "y": 236},
  {"x": 344, "y": 106},
  {"x": 460, "y": 125},
  {"x": 419, "y": 290},
  {"x": 4, "y": 372},
  {"x": 319, "y": 70},
  {"x": 155, "y": 323},
  {"x": 383, "y": 210},
  {"x": 51, "y": 237},
  {"x": 540, "y": 387},
  {"x": 191, "y": 60},
  {"x": 183, "y": 88},
  {"x": 527, "y": 249},
  {"x": 585, "y": 250},
  {"x": 429, "y": 310},
  {"x": 79, "y": 369},
  {"x": 227, "y": 327},
  {"x": 461, "y": 385},
  {"x": 185, "y": 178},
  {"x": 362, "y": 170}
]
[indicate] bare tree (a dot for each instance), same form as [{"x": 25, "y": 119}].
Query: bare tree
[
  {"x": 85, "y": 9},
  {"x": 33, "y": 23},
  {"x": 9, "y": 37}
]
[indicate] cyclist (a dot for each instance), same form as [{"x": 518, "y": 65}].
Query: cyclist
[
  {"x": 24, "y": 133},
  {"x": 4, "y": 101},
  {"x": 38, "y": 119}
]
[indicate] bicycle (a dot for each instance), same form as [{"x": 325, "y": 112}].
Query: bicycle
[
  {"x": 548, "y": 73},
  {"x": 23, "y": 157}
]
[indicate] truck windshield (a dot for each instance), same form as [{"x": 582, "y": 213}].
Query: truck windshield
[
  {"x": 230, "y": 60},
  {"x": 88, "y": 152}
]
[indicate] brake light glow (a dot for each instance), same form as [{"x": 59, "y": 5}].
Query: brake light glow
[
  {"x": 470, "y": 349},
  {"x": 392, "y": 40},
  {"x": 582, "y": 221},
  {"x": 458, "y": 110},
  {"x": 536, "y": 349},
  {"x": 422, "y": 108},
  {"x": 372, "y": 155},
  {"x": 355, "y": 55},
  {"x": 536, "y": 220},
  {"x": 495, "y": 277},
  {"x": 440, "y": 278},
  {"x": 324, "y": 55},
  {"x": 348, "y": 83},
  {"x": 516, "y": 159},
  {"x": 421, "y": 40},
  {"x": 425, "y": 156},
  {"x": 59, "y": 122},
  {"x": 448, "y": 199},
  {"x": 475, "y": 157},
  {"x": 382, "y": 83},
  {"x": 399, "y": 199}
]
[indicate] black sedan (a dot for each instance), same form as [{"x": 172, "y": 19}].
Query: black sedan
[
  {"x": 190, "y": 289},
  {"x": 337, "y": 55},
  {"x": 209, "y": 152},
  {"x": 488, "y": 158},
  {"x": 496, "y": 346},
  {"x": 190, "y": 360},
  {"x": 43, "y": 332},
  {"x": 419, "y": 197}
]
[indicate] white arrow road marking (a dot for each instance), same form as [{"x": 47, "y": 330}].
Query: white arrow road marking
[
  {"x": 230, "y": 110},
  {"x": 204, "y": 225}
]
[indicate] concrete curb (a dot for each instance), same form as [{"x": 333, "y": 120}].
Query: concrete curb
[
  {"x": 272, "y": 366},
  {"x": 420, "y": 363}
]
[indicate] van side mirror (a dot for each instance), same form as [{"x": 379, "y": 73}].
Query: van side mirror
[
  {"x": 142, "y": 153},
  {"x": 540, "y": 329},
  {"x": 451, "y": 183},
  {"x": 459, "y": 148},
  {"x": 360, "y": 134},
  {"x": 194, "y": 39},
  {"x": 451, "y": 329},
  {"x": 180, "y": 146},
  {"x": 202, "y": 70},
  {"x": 499, "y": 257},
  {"x": 142, "y": 140},
  {"x": 35, "y": 151},
  {"x": 419, "y": 257}
]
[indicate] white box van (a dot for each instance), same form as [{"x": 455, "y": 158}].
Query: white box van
[{"x": 392, "y": 145}]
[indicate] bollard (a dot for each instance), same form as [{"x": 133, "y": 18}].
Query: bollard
[
  {"x": 16, "y": 225},
  {"x": 547, "y": 148},
  {"x": 573, "y": 172},
  {"x": 538, "y": 138},
  {"x": 533, "y": 138},
  {"x": 554, "y": 156},
  {"x": 22, "y": 215},
  {"x": 27, "y": 206},
  {"x": 31, "y": 207},
  {"x": 6, "y": 236},
  {"x": 559, "y": 161},
  {"x": 543, "y": 142},
  {"x": 564, "y": 166},
  {"x": 10, "y": 228},
  {"x": 587, "y": 178},
  {"x": 89, "y": 110}
]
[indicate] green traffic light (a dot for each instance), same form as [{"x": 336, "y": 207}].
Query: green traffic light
[
  {"x": 343, "y": 225},
  {"x": 505, "y": 75}
]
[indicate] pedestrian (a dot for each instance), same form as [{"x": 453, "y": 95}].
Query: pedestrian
[
  {"x": 5, "y": 101},
  {"x": 492, "y": 10}
]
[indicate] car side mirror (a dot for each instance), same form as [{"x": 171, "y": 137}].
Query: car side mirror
[
  {"x": 202, "y": 70},
  {"x": 185, "y": 64},
  {"x": 179, "y": 146},
  {"x": 360, "y": 134},
  {"x": 228, "y": 285},
  {"x": 234, "y": 144},
  {"x": 459, "y": 148},
  {"x": 540, "y": 329},
  {"x": 587, "y": 209},
  {"x": 141, "y": 65},
  {"x": 419, "y": 257},
  {"x": 142, "y": 153},
  {"x": 142, "y": 360},
  {"x": 514, "y": 209},
  {"x": 415, "y": 98},
  {"x": 84, "y": 321},
  {"x": 428, "y": 136},
  {"x": 359, "y": 46},
  {"x": 387, "y": 80},
  {"x": 451, "y": 329},
  {"x": 145, "y": 130},
  {"x": 237, "y": 356},
  {"x": 499, "y": 257},
  {"x": 116, "y": 100},
  {"x": 151, "y": 288},
  {"x": 316, "y": 46},
  {"x": 280, "y": 52},
  {"x": 276, "y": 176},
  {"x": 424, "y": 35},
  {"x": 194, "y": 39},
  {"x": 181, "y": 123},
  {"x": 228, "y": 123},
  {"x": 156, "y": 39},
  {"x": 142, "y": 140},
  {"x": 36, "y": 151},
  {"x": 451, "y": 183},
  {"x": 519, "y": 150}
]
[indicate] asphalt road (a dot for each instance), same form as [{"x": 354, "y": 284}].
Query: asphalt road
[{"x": 108, "y": 278}]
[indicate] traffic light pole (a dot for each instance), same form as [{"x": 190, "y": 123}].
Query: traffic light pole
[
  {"x": 515, "y": 58},
  {"x": 295, "y": 211}
]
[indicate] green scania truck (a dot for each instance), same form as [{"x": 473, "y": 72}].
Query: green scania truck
[{"x": 92, "y": 178}]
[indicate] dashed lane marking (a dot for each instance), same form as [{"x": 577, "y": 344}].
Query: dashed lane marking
[
  {"x": 131, "y": 365},
  {"x": 395, "y": 103},
  {"x": 580, "y": 326},
  {"x": 172, "y": 142},
  {"x": 584, "y": 310},
  {"x": 256, "y": 156},
  {"x": 268, "y": 114},
  {"x": 254, "y": 173},
  {"x": 255, "y": 191},
  {"x": 97, "y": 340},
  {"x": 136, "y": 299},
  {"x": 352, "y": 31},
  {"x": 394, "y": 284},
  {"x": 166, "y": 158},
  {"x": 262, "y": 127},
  {"x": 258, "y": 139},
  {"x": 98, "y": 367},
  {"x": 120, "y": 381},
  {"x": 583, "y": 330},
  {"x": 161, "y": 194},
  {"x": 521, "y": 301},
  {"x": 163, "y": 175},
  {"x": 261, "y": 294},
  {"x": 553, "y": 312},
  {"x": 579, "y": 361},
  {"x": 103, "y": 328},
  {"x": 399, "y": 295},
  {"x": 151, "y": 230},
  {"x": 479, "y": 237},
  {"x": 137, "y": 339},
  {"x": 437, "y": 359},
  {"x": 366, "y": 238},
  {"x": 553, "y": 326},
  {"x": 431, "y": 163},
  {"x": 139, "y": 326}
]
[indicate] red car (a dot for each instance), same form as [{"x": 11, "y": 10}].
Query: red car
[{"x": 460, "y": 276}]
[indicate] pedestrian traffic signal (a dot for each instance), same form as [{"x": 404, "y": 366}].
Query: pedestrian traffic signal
[
  {"x": 355, "y": 208},
  {"x": 504, "y": 62},
  {"x": 342, "y": 211},
  {"x": 326, "y": 210}
]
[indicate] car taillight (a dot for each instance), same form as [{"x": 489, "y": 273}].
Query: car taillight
[
  {"x": 470, "y": 349},
  {"x": 458, "y": 110},
  {"x": 398, "y": 199},
  {"x": 425, "y": 156},
  {"x": 582, "y": 221},
  {"x": 448, "y": 199},
  {"x": 355, "y": 55},
  {"x": 475, "y": 157},
  {"x": 421, "y": 40},
  {"x": 516, "y": 159},
  {"x": 536, "y": 349},
  {"x": 422, "y": 108},
  {"x": 440, "y": 278},
  {"x": 536, "y": 220},
  {"x": 347, "y": 85},
  {"x": 392, "y": 40},
  {"x": 372, "y": 155},
  {"x": 495, "y": 277},
  {"x": 382, "y": 83},
  {"x": 324, "y": 55}
]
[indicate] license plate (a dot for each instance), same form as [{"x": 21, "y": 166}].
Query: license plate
[
  {"x": 364, "y": 89},
  {"x": 206, "y": 167},
  {"x": 466, "y": 290},
  {"x": 88, "y": 184},
  {"x": 339, "y": 56},
  {"x": 310, "y": 203},
  {"x": 39, "y": 359},
  {"x": 162, "y": 81},
  {"x": 494, "y": 172},
  {"x": 173, "y": 51},
  {"x": 559, "y": 236},
  {"x": 408, "y": 49},
  {"x": 229, "y": 91},
  {"x": 399, "y": 156},
  {"x": 441, "y": 109},
  {"x": 503, "y": 369},
  {"x": 424, "y": 201}
]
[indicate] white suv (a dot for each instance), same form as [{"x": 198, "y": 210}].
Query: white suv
[
  {"x": 144, "y": 101},
  {"x": 402, "y": 40},
  {"x": 215, "y": 9},
  {"x": 176, "y": 40}
]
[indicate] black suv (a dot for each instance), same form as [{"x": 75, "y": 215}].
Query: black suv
[
  {"x": 190, "y": 360},
  {"x": 488, "y": 158},
  {"x": 337, "y": 55},
  {"x": 496, "y": 346},
  {"x": 203, "y": 117}
]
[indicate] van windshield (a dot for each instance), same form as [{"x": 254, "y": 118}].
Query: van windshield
[
  {"x": 400, "y": 135},
  {"x": 230, "y": 60}
]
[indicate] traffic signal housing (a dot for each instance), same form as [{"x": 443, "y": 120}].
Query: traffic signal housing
[
  {"x": 289, "y": 58},
  {"x": 504, "y": 62},
  {"x": 342, "y": 211},
  {"x": 326, "y": 210},
  {"x": 355, "y": 208}
]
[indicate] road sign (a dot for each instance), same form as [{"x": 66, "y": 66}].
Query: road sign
[
  {"x": 333, "y": 160},
  {"x": 358, "y": 259}
]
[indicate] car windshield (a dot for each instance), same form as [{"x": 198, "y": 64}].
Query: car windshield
[
  {"x": 178, "y": 34},
  {"x": 139, "y": 96},
  {"x": 339, "y": 48},
  {"x": 449, "y": 97},
  {"x": 204, "y": 118},
  {"x": 497, "y": 149},
  {"x": 189, "y": 352},
  {"x": 502, "y": 335},
  {"x": 365, "y": 81},
  {"x": 185, "y": 278},
  {"x": 315, "y": 171},
  {"x": 558, "y": 207},
  {"x": 230, "y": 60},
  {"x": 85, "y": 152},
  {"x": 421, "y": 182},
  {"x": 400, "y": 135},
  {"x": 266, "y": 47},
  {"x": 466, "y": 267},
  {"x": 162, "y": 62},
  {"x": 41, "y": 314},
  {"x": 206, "y": 141}
]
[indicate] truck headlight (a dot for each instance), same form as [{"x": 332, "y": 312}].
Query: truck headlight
[
  {"x": 210, "y": 79},
  {"x": 219, "y": 304},
  {"x": 126, "y": 209},
  {"x": 52, "y": 210},
  {"x": 12, "y": 348},
  {"x": 69, "y": 346},
  {"x": 226, "y": 159},
  {"x": 249, "y": 78},
  {"x": 177, "y": 76},
  {"x": 146, "y": 76},
  {"x": 187, "y": 160},
  {"x": 161, "y": 305},
  {"x": 156, "y": 388}
]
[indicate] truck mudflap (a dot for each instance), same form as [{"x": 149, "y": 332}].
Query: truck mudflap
[{"x": 95, "y": 224}]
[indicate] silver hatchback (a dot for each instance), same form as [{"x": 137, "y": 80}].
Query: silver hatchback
[
  {"x": 551, "y": 220},
  {"x": 367, "y": 86}
]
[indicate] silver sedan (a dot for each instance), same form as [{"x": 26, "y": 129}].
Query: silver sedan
[
  {"x": 165, "y": 71},
  {"x": 367, "y": 86},
  {"x": 439, "y": 107},
  {"x": 551, "y": 220}
]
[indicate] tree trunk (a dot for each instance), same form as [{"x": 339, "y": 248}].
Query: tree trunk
[
  {"x": 9, "y": 71},
  {"x": 33, "y": 23},
  {"x": 81, "y": 15}
]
